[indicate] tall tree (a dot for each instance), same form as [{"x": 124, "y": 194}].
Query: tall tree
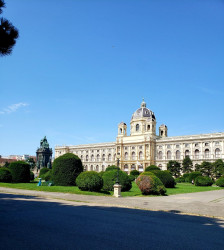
[
  {"x": 206, "y": 168},
  {"x": 8, "y": 34},
  {"x": 174, "y": 168},
  {"x": 218, "y": 168},
  {"x": 187, "y": 165}
]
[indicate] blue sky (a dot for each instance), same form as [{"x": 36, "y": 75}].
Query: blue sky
[{"x": 80, "y": 67}]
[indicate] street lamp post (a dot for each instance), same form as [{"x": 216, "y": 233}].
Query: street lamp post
[
  {"x": 117, "y": 186},
  {"x": 118, "y": 161}
]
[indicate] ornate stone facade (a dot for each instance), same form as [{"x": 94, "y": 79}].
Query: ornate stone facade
[{"x": 143, "y": 147}]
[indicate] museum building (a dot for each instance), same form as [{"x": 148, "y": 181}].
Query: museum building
[{"x": 143, "y": 147}]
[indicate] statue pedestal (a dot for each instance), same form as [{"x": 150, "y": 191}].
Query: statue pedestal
[{"x": 117, "y": 190}]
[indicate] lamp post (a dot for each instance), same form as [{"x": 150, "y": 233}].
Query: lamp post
[
  {"x": 118, "y": 161},
  {"x": 117, "y": 186}
]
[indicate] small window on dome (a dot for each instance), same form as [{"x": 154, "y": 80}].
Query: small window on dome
[
  {"x": 137, "y": 127},
  {"x": 148, "y": 127}
]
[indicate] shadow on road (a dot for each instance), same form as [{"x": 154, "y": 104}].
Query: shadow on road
[{"x": 29, "y": 222}]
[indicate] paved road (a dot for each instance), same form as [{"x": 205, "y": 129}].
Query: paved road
[{"x": 29, "y": 222}]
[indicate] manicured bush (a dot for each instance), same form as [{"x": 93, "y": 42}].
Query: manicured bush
[
  {"x": 101, "y": 173},
  {"x": 20, "y": 171},
  {"x": 43, "y": 171},
  {"x": 193, "y": 176},
  {"x": 65, "y": 169},
  {"x": 203, "y": 181},
  {"x": 152, "y": 167},
  {"x": 220, "y": 182},
  {"x": 110, "y": 178},
  {"x": 5, "y": 175},
  {"x": 47, "y": 176},
  {"x": 131, "y": 177},
  {"x": 136, "y": 173},
  {"x": 148, "y": 183},
  {"x": 186, "y": 177},
  {"x": 31, "y": 176},
  {"x": 89, "y": 181},
  {"x": 166, "y": 178},
  {"x": 180, "y": 179},
  {"x": 113, "y": 167}
]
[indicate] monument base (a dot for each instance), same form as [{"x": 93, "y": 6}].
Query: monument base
[{"x": 117, "y": 190}]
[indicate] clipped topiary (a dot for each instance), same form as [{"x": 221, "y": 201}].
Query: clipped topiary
[
  {"x": 193, "y": 176},
  {"x": 113, "y": 167},
  {"x": 152, "y": 167},
  {"x": 180, "y": 179},
  {"x": 131, "y": 177},
  {"x": 148, "y": 183},
  {"x": 166, "y": 178},
  {"x": 43, "y": 171},
  {"x": 5, "y": 175},
  {"x": 136, "y": 173},
  {"x": 203, "y": 181},
  {"x": 20, "y": 171},
  {"x": 89, "y": 181},
  {"x": 186, "y": 177},
  {"x": 220, "y": 182},
  {"x": 31, "y": 176},
  {"x": 47, "y": 176},
  {"x": 110, "y": 178},
  {"x": 65, "y": 169}
]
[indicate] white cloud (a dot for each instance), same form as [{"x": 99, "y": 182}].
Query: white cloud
[{"x": 13, "y": 108}]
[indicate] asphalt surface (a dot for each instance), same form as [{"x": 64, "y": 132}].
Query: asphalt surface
[{"x": 33, "y": 222}]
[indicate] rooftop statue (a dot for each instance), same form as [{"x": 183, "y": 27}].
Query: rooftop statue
[{"x": 44, "y": 143}]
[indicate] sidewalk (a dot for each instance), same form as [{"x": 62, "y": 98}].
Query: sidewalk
[{"x": 210, "y": 203}]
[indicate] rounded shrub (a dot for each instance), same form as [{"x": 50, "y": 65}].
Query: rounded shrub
[
  {"x": 180, "y": 179},
  {"x": 31, "y": 176},
  {"x": 43, "y": 171},
  {"x": 166, "y": 178},
  {"x": 193, "y": 176},
  {"x": 89, "y": 181},
  {"x": 47, "y": 176},
  {"x": 5, "y": 175},
  {"x": 132, "y": 177},
  {"x": 113, "y": 167},
  {"x": 220, "y": 182},
  {"x": 203, "y": 181},
  {"x": 186, "y": 177},
  {"x": 110, "y": 178},
  {"x": 65, "y": 169},
  {"x": 20, "y": 171},
  {"x": 136, "y": 173},
  {"x": 148, "y": 183},
  {"x": 152, "y": 167}
]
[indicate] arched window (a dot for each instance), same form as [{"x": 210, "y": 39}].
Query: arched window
[
  {"x": 168, "y": 155},
  {"x": 140, "y": 155},
  {"x": 187, "y": 153},
  {"x": 92, "y": 157},
  {"x": 109, "y": 157},
  {"x": 207, "y": 153},
  {"x": 103, "y": 157},
  {"x": 148, "y": 127},
  {"x": 98, "y": 157},
  {"x": 120, "y": 130},
  {"x": 91, "y": 167},
  {"x": 133, "y": 167},
  {"x": 196, "y": 154},
  {"x": 160, "y": 155},
  {"x": 177, "y": 154},
  {"x": 126, "y": 167},
  {"x": 217, "y": 153},
  {"x": 126, "y": 156},
  {"x": 97, "y": 168},
  {"x": 137, "y": 127},
  {"x": 115, "y": 157},
  {"x": 133, "y": 156},
  {"x": 103, "y": 168},
  {"x": 160, "y": 166},
  {"x": 81, "y": 157},
  {"x": 87, "y": 157}
]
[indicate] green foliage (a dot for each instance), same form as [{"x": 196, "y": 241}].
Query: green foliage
[
  {"x": 5, "y": 175},
  {"x": 47, "y": 176},
  {"x": 151, "y": 167},
  {"x": 197, "y": 167},
  {"x": 220, "y": 182},
  {"x": 65, "y": 169},
  {"x": 186, "y": 177},
  {"x": 206, "y": 168},
  {"x": 31, "y": 176},
  {"x": 180, "y": 179},
  {"x": 174, "y": 168},
  {"x": 218, "y": 168},
  {"x": 113, "y": 167},
  {"x": 6, "y": 164},
  {"x": 193, "y": 176},
  {"x": 166, "y": 178},
  {"x": 131, "y": 177},
  {"x": 89, "y": 181},
  {"x": 31, "y": 162},
  {"x": 187, "y": 165},
  {"x": 136, "y": 173},
  {"x": 148, "y": 183},
  {"x": 203, "y": 181},
  {"x": 110, "y": 178},
  {"x": 20, "y": 171},
  {"x": 101, "y": 173},
  {"x": 43, "y": 171}
]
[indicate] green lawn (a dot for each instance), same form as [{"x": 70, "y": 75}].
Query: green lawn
[{"x": 180, "y": 189}]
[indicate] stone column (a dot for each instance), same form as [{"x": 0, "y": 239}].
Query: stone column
[{"x": 117, "y": 190}]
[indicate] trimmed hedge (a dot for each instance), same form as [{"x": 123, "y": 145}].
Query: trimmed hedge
[
  {"x": 220, "y": 182},
  {"x": 186, "y": 177},
  {"x": 113, "y": 167},
  {"x": 20, "y": 171},
  {"x": 110, "y": 178},
  {"x": 132, "y": 177},
  {"x": 43, "y": 171},
  {"x": 180, "y": 179},
  {"x": 136, "y": 173},
  {"x": 166, "y": 178},
  {"x": 5, "y": 175},
  {"x": 152, "y": 167},
  {"x": 148, "y": 183},
  {"x": 89, "y": 181},
  {"x": 47, "y": 176},
  {"x": 193, "y": 176},
  {"x": 31, "y": 176},
  {"x": 203, "y": 181},
  {"x": 65, "y": 169}
]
